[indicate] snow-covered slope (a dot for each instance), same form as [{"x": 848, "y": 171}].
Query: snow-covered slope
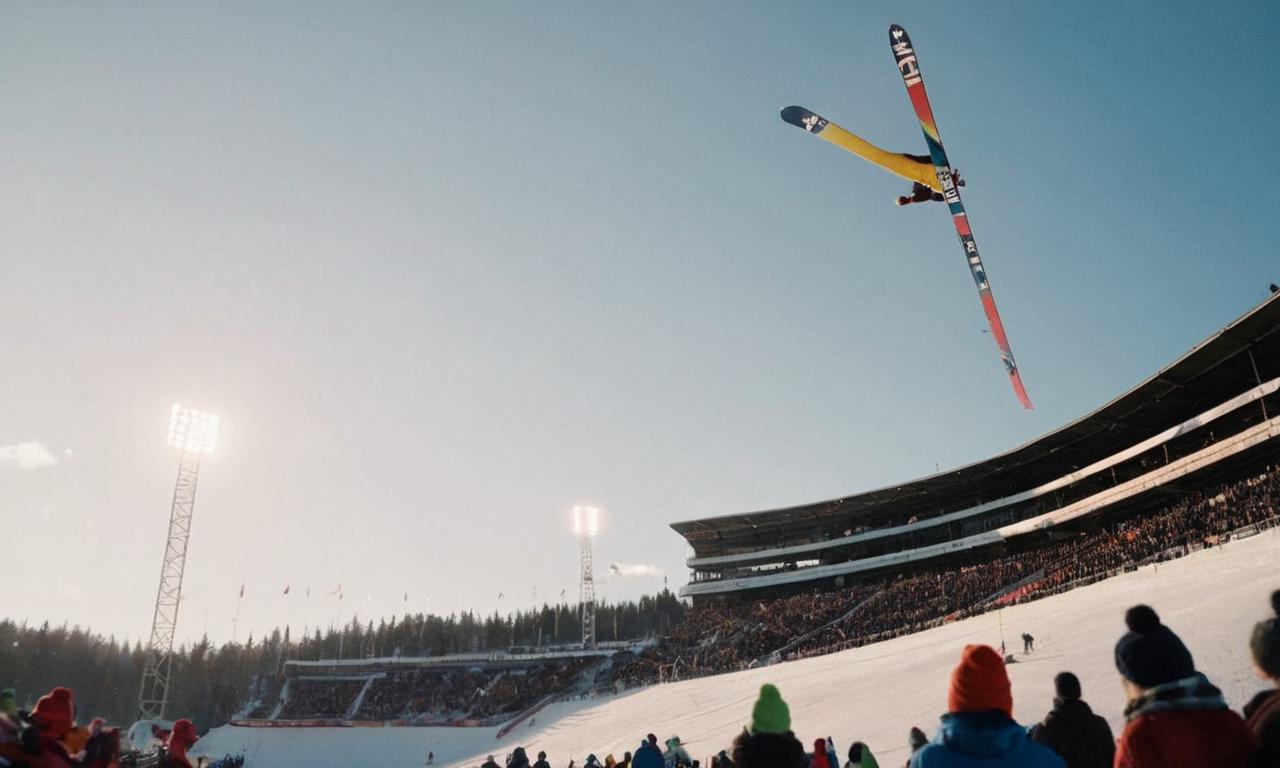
[{"x": 875, "y": 694}]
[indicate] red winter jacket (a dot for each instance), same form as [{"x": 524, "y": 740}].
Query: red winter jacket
[{"x": 1186, "y": 739}]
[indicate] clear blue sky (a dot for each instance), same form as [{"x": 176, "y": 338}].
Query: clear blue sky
[{"x": 447, "y": 269}]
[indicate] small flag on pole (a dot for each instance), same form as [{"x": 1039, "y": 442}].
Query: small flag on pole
[
  {"x": 286, "y": 589},
  {"x": 242, "y": 590},
  {"x": 406, "y": 597}
]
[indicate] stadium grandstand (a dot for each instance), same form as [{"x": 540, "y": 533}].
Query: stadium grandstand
[
  {"x": 1209, "y": 418},
  {"x": 467, "y": 689}
]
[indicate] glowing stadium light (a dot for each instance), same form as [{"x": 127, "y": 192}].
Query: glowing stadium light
[
  {"x": 586, "y": 521},
  {"x": 194, "y": 433},
  {"x": 192, "y": 430}
]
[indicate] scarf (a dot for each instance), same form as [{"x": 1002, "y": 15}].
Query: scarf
[{"x": 1195, "y": 692}]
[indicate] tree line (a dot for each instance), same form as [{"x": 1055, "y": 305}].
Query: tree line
[{"x": 212, "y": 683}]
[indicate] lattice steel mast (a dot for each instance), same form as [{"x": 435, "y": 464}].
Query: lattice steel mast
[
  {"x": 194, "y": 433},
  {"x": 586, "y": 523}
]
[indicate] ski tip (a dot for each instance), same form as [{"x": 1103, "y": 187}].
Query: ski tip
[
  {"x": 803, "y": 118},
  {"x": 896, "y": 33},
  {"x": 795, "y": 115}
]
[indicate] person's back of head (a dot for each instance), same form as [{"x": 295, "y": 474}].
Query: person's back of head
[
  {"x": 980, "y": 683},
  {"x": 1264, "y": 643},
  {"x": 1066, "y": 686},
  {"x": 769, "y": 743},
  {"x": 1150, "y": 654}
]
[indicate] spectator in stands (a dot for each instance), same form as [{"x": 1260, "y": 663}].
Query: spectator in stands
[
  {"x": 648, "y": 755},
  {"x": 1175, "y": 717},
  {"x": 860, "y": 756},
  {"x": 542, "y": 761},
  {"x": 769, "y": 743},
  {"x": 1082, "y": 738},
  {"x": 978, "y": 728},
  {"x": 1263, "y": 713},
  {"x": 180, "y": 740}
]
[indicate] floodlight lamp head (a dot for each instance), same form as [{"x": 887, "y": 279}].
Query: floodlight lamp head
[
  {"x": 192, "y": 430},
  {"x": 586, "y": 521}
]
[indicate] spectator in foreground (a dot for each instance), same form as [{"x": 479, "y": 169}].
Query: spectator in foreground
[
  {"x": 860, "y": 756},
  {"x": 1175, "y": 716},
  {"x": 1082, "y": 738},
  {"x": 10, "y": 725},
  {"x": 180, "y": 740},
  {"x": 769, "y": 743},
  {"x": 518, "y": 759},
  {"x": 820, "y": 759},
  {"x": 978, "y": 729},
  {"x": 54, "y": 717},
  {"x": 916, "y": 739},
  {"x": 1263, "y": 713},
  {"x": 491, "y": 763},
  {"x": 676, "y": 754},
  {"x": 648, "y": 755},
  {"x": 542, "y": 761}
]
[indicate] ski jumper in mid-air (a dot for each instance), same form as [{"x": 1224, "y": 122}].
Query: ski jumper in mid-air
[
  {"x": 917, "y": 169},
  {"x": 932, "y": 179}
]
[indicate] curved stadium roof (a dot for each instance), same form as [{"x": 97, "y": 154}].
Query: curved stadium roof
[{"x": 1241, "y": 355}]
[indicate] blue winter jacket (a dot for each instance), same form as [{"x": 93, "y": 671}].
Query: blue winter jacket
[
  {"x": 647, "y": 756},
  {"x": 983, "y": 740}
]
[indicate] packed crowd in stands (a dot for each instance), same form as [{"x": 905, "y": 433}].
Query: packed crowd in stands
[
  {"x": 438, "y": 695},
  {"x": 714, "y": 639},
  {"x": 1174, "y": 717},
  {"x": 320, "y": 698}
]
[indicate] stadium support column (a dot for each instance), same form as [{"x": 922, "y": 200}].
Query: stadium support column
[
  {"x": 586, "y": 524},
  {"x": 193, "y": 433}
]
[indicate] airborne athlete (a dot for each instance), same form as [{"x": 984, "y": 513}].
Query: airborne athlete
[
  {"x": 932, "y": 179},
  {"x": 918, "y": 169}
]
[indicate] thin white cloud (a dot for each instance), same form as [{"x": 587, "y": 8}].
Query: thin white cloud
[
  {"x": 636, "y": 569},
  {"x": 29, "y": 455}
]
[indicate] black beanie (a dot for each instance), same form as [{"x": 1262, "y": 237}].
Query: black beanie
[
  {"x": 1150, "y": 654},
  {"x": 1265, "y": 642},
  {"x": 1066, "y": 686}
]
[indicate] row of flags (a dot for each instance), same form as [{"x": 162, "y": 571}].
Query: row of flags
[{"x": 337, "y": 592}]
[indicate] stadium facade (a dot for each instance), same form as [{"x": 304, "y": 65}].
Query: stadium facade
[{"x": 1212, "y": 415}]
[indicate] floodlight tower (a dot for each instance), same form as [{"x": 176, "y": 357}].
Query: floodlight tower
[
  {"x": 586, "y": 524},
  {"x": 193, "y": 433}
]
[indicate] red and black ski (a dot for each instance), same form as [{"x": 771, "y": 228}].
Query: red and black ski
[{"x": 909, "y": 67}]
